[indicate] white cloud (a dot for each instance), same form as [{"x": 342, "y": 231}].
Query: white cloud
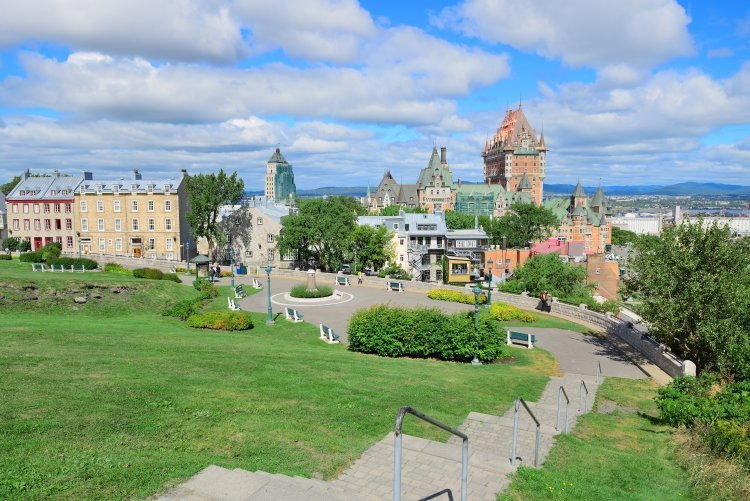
[
  {"x": 593, "y": 33},
  {"x": 181, "y": 30},
  {"x": 720, "y": 52}
]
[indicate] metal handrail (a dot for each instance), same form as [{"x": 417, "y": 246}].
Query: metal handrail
[
  {"x": 517, "y": 407},
  {"x": 583, "y": 405},
  {"x": 560, "y": 392},
  {"x": 397, "y": 450},
  {"x": 598, "y": 372}
]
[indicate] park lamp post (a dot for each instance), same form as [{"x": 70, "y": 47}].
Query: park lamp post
[
  {"x": 476, "y": 290},
  {"x": 489, "y": 282},
  {"x": 231, "y": 264},
  {"x": 269, "y": 321}
]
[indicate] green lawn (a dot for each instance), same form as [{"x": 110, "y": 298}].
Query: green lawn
[
  {"x": 626, "y": 454},
  {"x": 111, "y": 400}
]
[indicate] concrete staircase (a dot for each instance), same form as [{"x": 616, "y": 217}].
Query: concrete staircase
[{"x": 428, "y": 467}]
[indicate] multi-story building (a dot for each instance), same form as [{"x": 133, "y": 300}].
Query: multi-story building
[
  {"x": 489, "y": 199},
  {"x": 583, "y": 219},
  {"x": 279, "y": 178},
  {"x": 435, "y": 184},
  {"x": 40, "y": 210},
  {"x": 3, "y": 218},
  {"x": 134, "y": 217},
  {"x": 515, "y": 152}
]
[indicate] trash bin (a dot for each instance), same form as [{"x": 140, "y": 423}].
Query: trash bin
[{"x": 242, "y": 270}]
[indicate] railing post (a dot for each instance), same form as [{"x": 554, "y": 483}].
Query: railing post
[
  {"x": 598, "y": 372},
  {"x": 397, "y": 468},
  {"x": 583, "y": 405},
  {"x": 536, "y": 445},
  {"x": 465, "y": 470},
  {"x": 515, "y": 432},
  {"x": 557, "y": 420}
]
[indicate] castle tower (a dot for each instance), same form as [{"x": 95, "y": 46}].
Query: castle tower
[
  {"x": 514, "y": 152},
  {"x": 279, "y": 178}
]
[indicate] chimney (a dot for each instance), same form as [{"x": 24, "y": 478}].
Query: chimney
[
  {"x": 56, "y": 173},
  {"x": 278, "y": 151},
  {"x": 136, "y": 175},
  {"x": 87, "y": 176},
  {"x": 27, "y": 174},
  {"x": 459, "y": 182},
  {"x": 442, "y": 155}
]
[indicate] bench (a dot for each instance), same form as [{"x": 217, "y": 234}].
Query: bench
[
  {"x": 256, "y": 284},
  {"x": 343, "y": 281},
  {"x": 77, "y": 267},
  {"x": 394, "y": 286},
  {"x": 528, "y": 339},
  {"x": 232, "y": 305},
  {"x": 239, "y": 292},
  {"x": 293, "y": 315},
  {"x": 57, "y": 267},
  {"x": 38, "y": 267},
  {"x": 327, "y": 335}
]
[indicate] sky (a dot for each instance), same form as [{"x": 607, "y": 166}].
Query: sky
[{"x": 627, "y": 93}]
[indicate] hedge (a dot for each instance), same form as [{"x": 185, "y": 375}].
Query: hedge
[
  {"x": 183, "y": 309},
  {"x": 221, "y": 320},
  {"x": 424, "y": 333},
  {"x": 154, "y": 274},
  {"x": 302, "y": 291},
  {"x": 455, "y": 296},
  {"x": 503, "y": 312},
  {"x": 5, "y": 257},
  {"x": 116, "y": 268},
  {"x": 88, "y": 264}
]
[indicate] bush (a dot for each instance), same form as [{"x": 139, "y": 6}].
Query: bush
[
  {"x": 394, "y": 271},
  {"x": 206, "y": 288},
  {"x": 5, "y": 257},
  {"x": 503, "y": 312},
  {"x": 10, "y": 243},
  {"x": 30, "y": 257},
  {"x": 455, "y": 296},
  {"x": 424, "y": 333},
  {"x": 183, "y": 309},
  {"x": 88, "y": 264},
  {"x": 172, "y": 277},
  {"x": 116, "y": 268},
  {"x": 50, "y": 252},
  {"x": 150, "y": 273},
  {"x": 24, "y": 246},
  {"x": 221, "y": 320},
  {"x": 301, "y": 291}
]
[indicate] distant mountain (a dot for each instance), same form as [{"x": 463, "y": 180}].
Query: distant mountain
[{"x": 690, "y": 188}]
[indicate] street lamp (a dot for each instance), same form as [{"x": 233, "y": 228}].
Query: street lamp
[
  {"x": 476, "y": 290},
  {"x": 489, "y": 282},
  {"x": 231, "y": 264},
  {"x": 505, "y": 261},
  {"x": 269, "y": 321}
]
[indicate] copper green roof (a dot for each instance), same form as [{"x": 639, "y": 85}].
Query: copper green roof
[
  {"x": 578, "y": 192},
  {"x": 525, "y": 184},
  {"x": 277, "y": 157}
]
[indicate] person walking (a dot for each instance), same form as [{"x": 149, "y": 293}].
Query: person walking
[{"x": 359, "y": 278}]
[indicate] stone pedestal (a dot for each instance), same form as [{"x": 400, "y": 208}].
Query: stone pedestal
[{"x": 311, "y": 280}]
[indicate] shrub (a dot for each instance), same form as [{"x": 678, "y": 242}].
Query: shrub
[
  {"x": 10, "y": 243},
  {"x": 172, "y": 277},
  {"x": 150, "y": 273},
  {"x": 206, "y": 288},
  {"x": 301, "y": 291},
  {"x": 5, "y": 257},
  {"x": 24, "y": 246},
  {"x": 88, "y": 264},
  {"x": 30, "y": 257},
  {"x": 503, "y": 312},
  {"x": 221, "y": 320},
  {"x": 394, "y": 271},
  {"x": 424, "y": 332},
  {"x": 455, "y": 296},
  {"x": 50, "y": 252},
  {"x": 116, "y": 268},
  {"x": 183, "y": 309}
]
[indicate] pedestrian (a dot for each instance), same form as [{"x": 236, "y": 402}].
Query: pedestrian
[{"x": 359, "y": 278}]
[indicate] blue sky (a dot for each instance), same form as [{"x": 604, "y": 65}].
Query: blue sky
[{"x": 637, "y": 92}]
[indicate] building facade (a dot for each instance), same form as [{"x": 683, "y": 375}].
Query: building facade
[
  {"x": 41, "y": 210},
  {"x": 133, "y": 217},
  {"x": 3, "y": 218},
  {"x": 583, "y": 219},
  {"x": 279, "y": 178}
]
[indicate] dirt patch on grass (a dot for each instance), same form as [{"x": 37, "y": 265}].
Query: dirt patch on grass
[{"x": 608, "y": 407}]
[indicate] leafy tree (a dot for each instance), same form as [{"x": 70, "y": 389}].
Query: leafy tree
[
  {"x": 320, "y": 230},
  {"x": 523, "y": 223},
  {"x": 7, "y": 187},
  {"x": 208, "y": 192},
  {"x": 10, "y": 243},
  {"x": 622, "y": 237},
  {"x": 458, "y": 220},
  {"x": 394, "y": 210},
  {"x": 548, "y": 272},
  {"x": 24, "y": 246},
  {"x": 694, "y": 288},
  {"x": 372, "y": 246}
]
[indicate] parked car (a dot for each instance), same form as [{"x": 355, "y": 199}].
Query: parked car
[
  {"x": 369, "y": 272},
  {"x": 346, "y": 269}
]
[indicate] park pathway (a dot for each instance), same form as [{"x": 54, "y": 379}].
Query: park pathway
[{"x": 429, "y": 467}]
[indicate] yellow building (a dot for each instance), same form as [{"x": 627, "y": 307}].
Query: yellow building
[{"x": 133, "y": 217}]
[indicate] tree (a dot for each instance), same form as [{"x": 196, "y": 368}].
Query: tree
[
  {"x": 394, "y": 210},
  {"x": 458, "y": 220},
  {"x": 523, "y": 223},
  {"x": 8, "y": 187},
  {"x": 10, "y": 243},
  {"x": 694, "y": 288},
  {"x": 208, "y": 193},
  {"x": 320, "y": 230},
  {"x": 371, "y": 246},
  {"x": 547, "y": 272},
  {"x": 622, "y": 237}
]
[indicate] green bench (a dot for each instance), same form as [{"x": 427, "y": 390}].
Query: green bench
[
  {"x": 343, "y": 281},
  {"x": 521, "y": 337},
  {"x": 327, "y": 335},
  {"x": 293, "y": 315},
  {"x": 239, "y": 292},
  {"x": 395, "y": 286},
  {"x": 57, "y": 267},
  {"x": 77, "y": 267},
  {"x": 38, "y": 267}
]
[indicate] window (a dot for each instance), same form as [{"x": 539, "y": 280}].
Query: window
[
  {"x": 118, "y": 224},
  {"x": 37, "y": 224},
  {"x": 68, "y": 224},
  {"x": 248, "y": 253},
  {"x": 167, "y": 188},
  {"x": 84, "y": 225},
  {"x": 68, "y": 208},
  {"x": 167, "y": 224},
  {"x": 151, "y": 224},
  {"x": 426, "y": 259},
  {"x": 401, "y": 258},
  {"x": 15, "y": 208},
  {"x": 271, "y": 254},
  {"x": 58, "y": 240},
  {"x": 135, "y": 225},
  {"x": 270, "y": 238},
  {"x": 151, "y": 244},
  {"x": 36, "y": 208},
  {"x": 45, "y": 208},
  {"x": 116, "y": 206},
  {"x": 69, "y": 242},
  {"x": 25, "y": 208},
  {"x": 406, "y": 226},
  {"x": 134, "y": 206},
  {"x": 150, "y": 206},
  {"x": 26, "y": 224},
  {"x": 102, "y": 244},
  {"x": 167, "y": 206},
  {"x": 47, "y": 225},
  {"x": 116, "y": 189},
  {"x": 439, "y": 275},
  {"x": 401, "y": 241},
  {"x": 57, "y": 208},
  {"x": 168, "y": 244},
  {"x": 150, "y": 188},
  {"x": 100, "y": 224},
  {"x": 118, "y": 244},
  {"x": 259, "y": 221},
  {"x": 84, "y": 206},
  {"x": 16, "y": 225},
  {"x": 395, "y": 226},
  {"x": 100, "y": 206},
  {"x": 99, "y": 189}
]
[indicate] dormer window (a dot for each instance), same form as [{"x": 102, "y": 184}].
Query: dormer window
[
  {"x": 150, "y": 188},
  {"x": 116, "y": 189},
  {"x": 98, "y": 189},
  {"x": 134, "y": 188},
  {"x": 167, "y": 188}
]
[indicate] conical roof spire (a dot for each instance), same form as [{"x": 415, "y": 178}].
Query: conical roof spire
[
  {"x": 578, "y": 192},
  {"x": 598, "y": 197},
  {"x": 525, "y": 184}
]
